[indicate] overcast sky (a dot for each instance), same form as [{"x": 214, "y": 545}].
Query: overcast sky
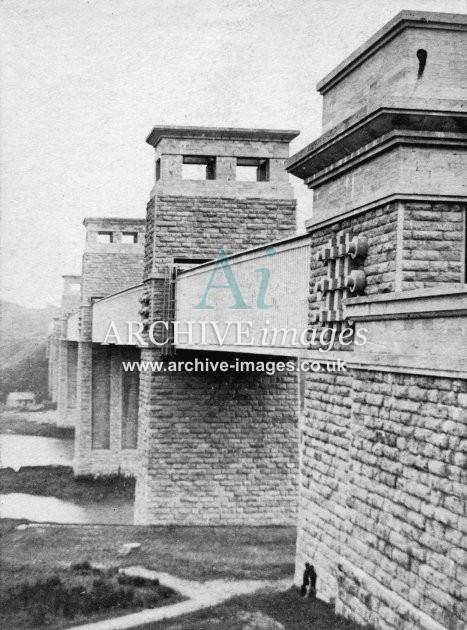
[{"x": 84, "y": 81}]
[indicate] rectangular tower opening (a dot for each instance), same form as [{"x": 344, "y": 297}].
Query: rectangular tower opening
[
  {"x": 252, "y": 170},
  {"x": 129, "y": 237},
  {"x": 198, "y": 167},
  {"x": 105, "y": 237}
]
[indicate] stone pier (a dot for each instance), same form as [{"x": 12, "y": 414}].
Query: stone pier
[
  {"x": 215, "y": 448},
  {"x": 107, "y": 397}
]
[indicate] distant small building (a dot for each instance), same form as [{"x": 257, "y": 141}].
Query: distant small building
[{"x": 21, "y": 400}]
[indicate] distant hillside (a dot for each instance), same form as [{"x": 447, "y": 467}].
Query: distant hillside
[{"x": 23, "y": 339}]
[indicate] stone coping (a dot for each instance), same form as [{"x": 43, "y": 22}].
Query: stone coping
[
  {"x": 116, "y": 220},
  {"x": 219, "y": 133},
  {"x": 73, "y": 276},
  {"x": 284, "y": 244},
  {"x": 116, "y": 295}
]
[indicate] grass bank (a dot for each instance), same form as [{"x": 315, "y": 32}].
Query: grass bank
[
  {"x": 58, "y": 481},
  {"x": 193, "y": 553},
  {"x": 77, "y": 595},
  {"x": 42, "y": 423}
]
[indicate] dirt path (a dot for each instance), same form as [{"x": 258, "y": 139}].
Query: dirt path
[{"x": 201, "y": 595}]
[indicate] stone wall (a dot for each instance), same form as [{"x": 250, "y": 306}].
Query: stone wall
[
  {"x": 199, "y": 227},
  {"x": 325, "y": 437},
  {"x": 381, "y": 502},
  {"x": 217, "y": 448},
  {"x": 433, "y": 244},
  {"x": 410, "y": 245},
  {"x": 106, "y": 273},
  {"x": 403, "y": 168},
  {"x": 380, "y": 227},
  {"x": 214, "y": 448},
  {"x": 71, "y": 295},
  {"x": 382, "y": 508},
  {"x": 392, "y": 66}
]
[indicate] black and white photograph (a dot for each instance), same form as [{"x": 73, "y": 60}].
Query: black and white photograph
[{"x": 233, "y": 314}]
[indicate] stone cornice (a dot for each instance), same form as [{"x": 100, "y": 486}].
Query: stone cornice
[
  {"x": 113, "y": 220},
  {"x": 372, "y": 122},
  {"x": 219, "y": 133},
  {"x": 385, "y": 143}
]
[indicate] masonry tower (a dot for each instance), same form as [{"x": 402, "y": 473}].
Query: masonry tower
[
  {"x": 381, "y": 509},
  {"x": 206, "y": 456}
]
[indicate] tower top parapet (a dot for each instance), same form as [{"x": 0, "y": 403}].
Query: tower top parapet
[
  {"x": 394, "y": 119},
  {"x": 221, "y": 161},
  {"x": 114, "y": 234},
  {"x": 415, "y": 58},
  {"x": 425, "y": 20}
]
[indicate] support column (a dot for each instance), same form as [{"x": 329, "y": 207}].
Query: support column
[
  {"x": 83, "y": 439},
  {"x": 219, "y": 448}
]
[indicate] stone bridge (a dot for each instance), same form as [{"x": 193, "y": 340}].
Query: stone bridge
[{"x": 367, "y": 460}]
